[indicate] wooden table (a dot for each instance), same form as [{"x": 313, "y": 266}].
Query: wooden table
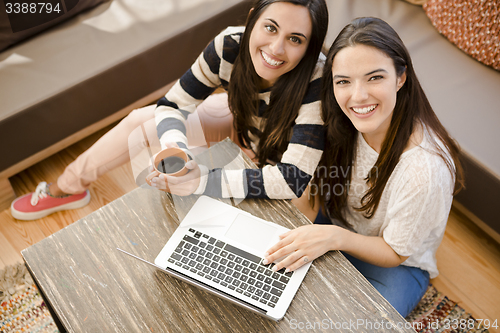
[{"x": 92, "y": 287}]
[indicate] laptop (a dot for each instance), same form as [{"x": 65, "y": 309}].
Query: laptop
[{"x": 220, "y": 249}]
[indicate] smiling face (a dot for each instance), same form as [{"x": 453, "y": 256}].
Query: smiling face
[
  {"x": 365, "y": 84},
  {"x": 279, "y": 40}
]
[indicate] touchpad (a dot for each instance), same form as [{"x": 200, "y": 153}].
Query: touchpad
[{"x": 252, "y": 233}]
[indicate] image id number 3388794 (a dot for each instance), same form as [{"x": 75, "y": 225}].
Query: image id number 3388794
[
  {"x": 456, "y": 324},
  {"x": 32, "y": 8},
  {"x": 27, "y": 14}
]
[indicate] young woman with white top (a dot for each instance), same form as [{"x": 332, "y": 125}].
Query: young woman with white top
[{"x": 384, "y": 187}]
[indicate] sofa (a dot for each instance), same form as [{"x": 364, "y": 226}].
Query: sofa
[{"x": 85, "y": 73}]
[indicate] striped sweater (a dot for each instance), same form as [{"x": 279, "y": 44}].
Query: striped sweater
[{"x": 288, "y": 178}]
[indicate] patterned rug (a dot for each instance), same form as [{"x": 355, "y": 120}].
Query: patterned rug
[
  {"x": 23, "y": 310},
  {"x": 437, "y": 313},
  {"x": 21, "y": 307}
]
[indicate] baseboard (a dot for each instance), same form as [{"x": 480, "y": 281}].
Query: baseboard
[
  {"x": 477, "y": 221},
  {"x": 6, "y": 194},
  {"x": 479, "y": 199}
]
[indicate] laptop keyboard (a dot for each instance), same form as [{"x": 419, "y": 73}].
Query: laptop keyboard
[{"x": 230, "y": 267}]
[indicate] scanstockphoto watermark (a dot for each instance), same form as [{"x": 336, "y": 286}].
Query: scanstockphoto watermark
[
  {"x": 353, "y": 325},
  {"x": 299, "y": 180}
]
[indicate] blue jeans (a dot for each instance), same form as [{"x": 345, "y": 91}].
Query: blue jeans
[{"x": 402, "y": 286}]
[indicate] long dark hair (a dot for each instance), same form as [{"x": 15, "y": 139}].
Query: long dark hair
[
  {"x": 412, "y": 108},
  {"x": 286, "y": 94}
]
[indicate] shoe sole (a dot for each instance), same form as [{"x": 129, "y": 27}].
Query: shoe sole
[{"x": 41, "y": 214}]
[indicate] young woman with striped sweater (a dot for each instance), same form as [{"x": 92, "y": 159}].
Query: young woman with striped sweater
[{"x": 271, "y": 70}]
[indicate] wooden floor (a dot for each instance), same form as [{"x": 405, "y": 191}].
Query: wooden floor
[{"x": 468, "y": 259}]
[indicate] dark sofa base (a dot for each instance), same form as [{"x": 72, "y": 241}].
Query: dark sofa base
[{"x": 481, "y": 194}]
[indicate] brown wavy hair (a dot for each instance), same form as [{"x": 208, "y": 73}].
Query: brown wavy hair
[
  {"x": 286, "y": 94},
  {"x": 412, "y": 108}
]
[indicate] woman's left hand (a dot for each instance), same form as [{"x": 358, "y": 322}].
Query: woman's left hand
[
  {"x": 302, "y": 245},
  {"x": 183, "y": 185}
]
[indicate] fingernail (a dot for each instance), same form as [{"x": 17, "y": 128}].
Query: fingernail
[
  {"x": 266, "y": 254},
  {"x": 265, "y": 262},
  {"x": 287, "y": 270},
  {"x": 275, "y": 268}
]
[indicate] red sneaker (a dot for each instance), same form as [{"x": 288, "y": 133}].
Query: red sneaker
[{"x": 41, "y": 203}]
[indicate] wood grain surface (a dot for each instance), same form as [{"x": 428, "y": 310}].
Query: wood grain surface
[{"x": 95, "y": 288}]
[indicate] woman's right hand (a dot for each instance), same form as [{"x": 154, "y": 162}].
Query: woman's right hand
[
  {"x": 304, "y": 244},
  {"x": 155, "y": 178},
  {"x": 181, "y": 185}
]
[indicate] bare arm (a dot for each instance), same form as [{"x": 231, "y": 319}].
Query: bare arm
[
  {"x": 304, "y": 206},
  {"x": 371, "y": 249}
]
